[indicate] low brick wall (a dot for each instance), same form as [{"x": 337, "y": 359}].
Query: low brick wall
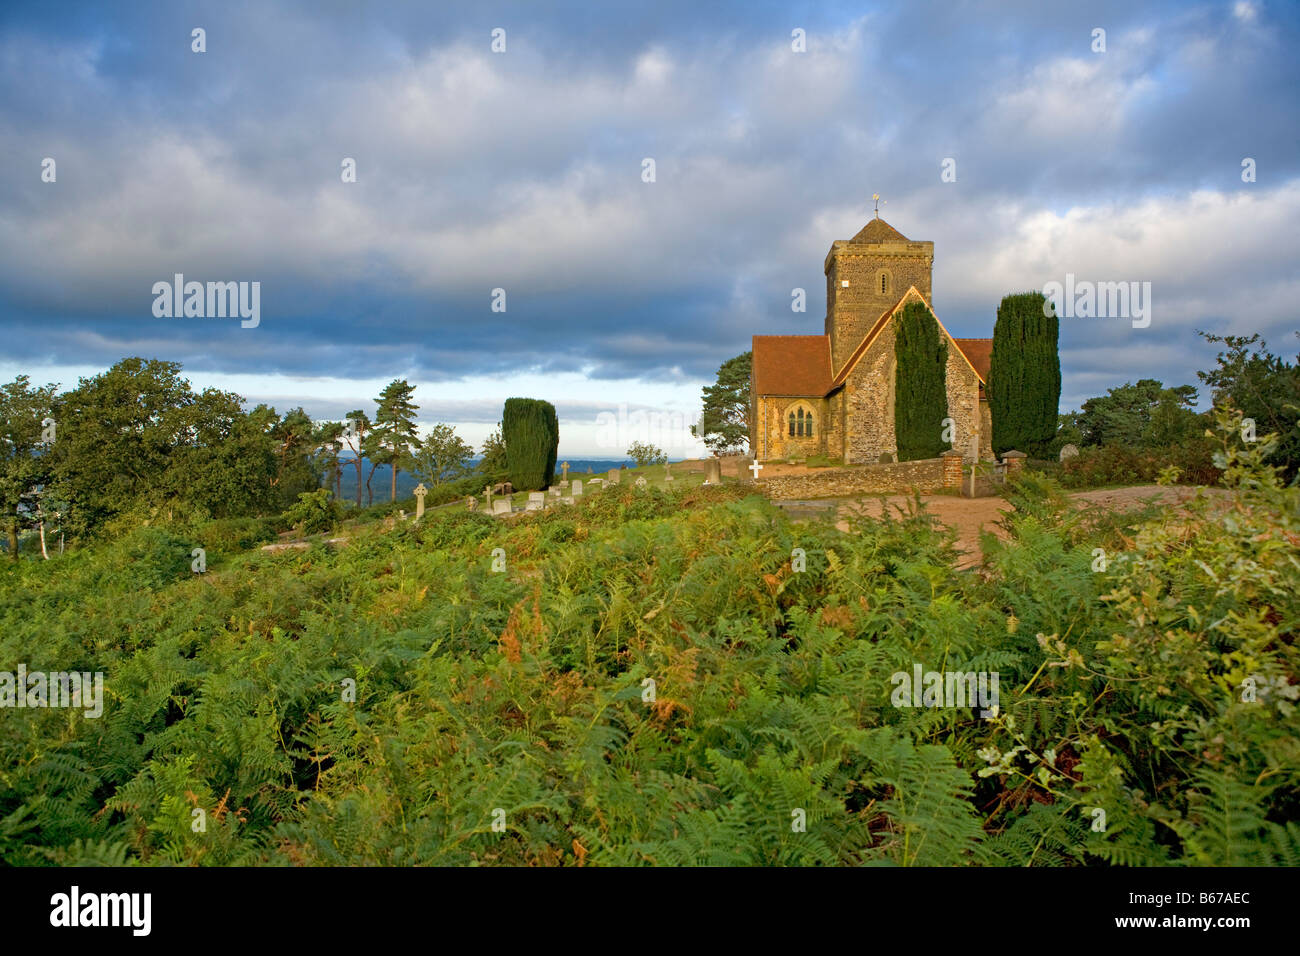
[{"x": 926, "y": 474}]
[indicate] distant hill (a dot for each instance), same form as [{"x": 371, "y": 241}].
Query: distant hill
[{"x": 406, "y": 481}]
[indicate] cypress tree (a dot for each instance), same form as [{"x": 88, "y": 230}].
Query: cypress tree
[
  {"x": 1024, "y": 375},
  {"x": 920, "y": 384},
  {"x": 530, "y": 430}
]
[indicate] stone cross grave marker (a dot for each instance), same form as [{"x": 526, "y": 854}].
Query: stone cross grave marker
[
  {"x": 564, "y": 477},
  {"x": 755, "y": 468},
  {"x": 420, "y": 492},
  {"x": 640, "y": 481},
  {"x": 487, "y": 493},
  {"x": 667, "y": 475}
]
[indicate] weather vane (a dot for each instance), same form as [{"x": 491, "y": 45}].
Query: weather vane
[{"x": 876, "y": 197}]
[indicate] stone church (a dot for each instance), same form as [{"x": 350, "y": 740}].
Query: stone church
[{"x": 833, "y": 394}]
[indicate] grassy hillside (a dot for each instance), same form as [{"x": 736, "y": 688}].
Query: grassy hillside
[{"x": 507, "y": 717}]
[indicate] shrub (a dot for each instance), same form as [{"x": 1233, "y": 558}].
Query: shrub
[
  {"x": 645, "y": 454},
  {"x": 315, "y": 512},
  {"x": 531, "y": 433}
]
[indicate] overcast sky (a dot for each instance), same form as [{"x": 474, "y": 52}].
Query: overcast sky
[{"x": 522, "y": 170}]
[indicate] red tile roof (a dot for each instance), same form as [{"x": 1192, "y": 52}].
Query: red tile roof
[
  {"x": 792, "y": 365},
  {"x": 978, "y": 352}
]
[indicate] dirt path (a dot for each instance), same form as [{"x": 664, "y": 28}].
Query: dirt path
[{"x": 968, "y": 516}]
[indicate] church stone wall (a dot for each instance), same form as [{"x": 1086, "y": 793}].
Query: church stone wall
[
  {"x": 925, "y": 475},
  {"x": 963, "y": 401},
  {"x": 986, "y": 432},
  {"x": 869, "y": 397},
  {"x": 773, "y": 431}
]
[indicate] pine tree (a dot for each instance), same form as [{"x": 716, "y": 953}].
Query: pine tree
[
  {"x": 395, "y": 434},
  {"x": 920, "y": 384},
  {"x": 531, "y": 431},
  {"x": 1024, "y": 375}
]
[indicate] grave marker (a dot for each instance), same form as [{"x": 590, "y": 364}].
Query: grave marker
[{"x": 420, "y": 492}]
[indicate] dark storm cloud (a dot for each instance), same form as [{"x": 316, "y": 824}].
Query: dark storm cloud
[{"x": 522, "y": 171}]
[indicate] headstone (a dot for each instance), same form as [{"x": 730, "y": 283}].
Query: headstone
[
  {"x": 487, "y": 497},
  {"x": 501, "y": 506},
  {"x": 505, "y": 488},
  {"x": 401, "y": 513},
  {"x": 1069, "y": 451},
  {"x": 565, "y": 475},
  {"x": 536, "y": 501},
  {"x": 755, "y": 467},
  {"x": 640, "y": 481},
  {"x": 713, "y": 471},
  {"x": 471, "y": 502},
  {"x": 567, "y": 500},
  {"x": 420, "y": 492},
  {"x": 613, "y": 476},
  {"x": 575, "y": 490},
  {"x": 553, "y": 490},
  {"x": 667, "y": 474}
]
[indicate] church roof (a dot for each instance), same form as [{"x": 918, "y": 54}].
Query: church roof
[
  {"x": 979, "y": 353},
  {"x": 877, "y": 230},
  {"x": 792, "y": 365}
]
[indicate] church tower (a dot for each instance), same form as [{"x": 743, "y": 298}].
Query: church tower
[{"x": 865, "y": 276}]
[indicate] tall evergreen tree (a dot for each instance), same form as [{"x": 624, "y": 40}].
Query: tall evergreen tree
[
  {"x": 356, "y": 435},
  {"x": 395, "y": 436},
  {"x": 23, "y": 413},
  {"x": 920, "y": 384},
  {"x": 531, "y": 431},
  {"x": 724, "y": 422},
  {"x": 1024, "y": 374}
]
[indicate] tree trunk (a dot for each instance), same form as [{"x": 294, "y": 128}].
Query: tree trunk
[
  {"x": 358, "y": 463},
  {"x": 392, "y": 494},
  {"x": 13, "y": 540},
  {"x": 44, "y": 554},
  {"x": 370, "y": 495}
]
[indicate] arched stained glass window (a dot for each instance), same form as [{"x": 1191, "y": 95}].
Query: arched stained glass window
[{"x": 801, "y": 423}]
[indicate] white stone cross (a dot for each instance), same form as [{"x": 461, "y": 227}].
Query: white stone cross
[
  {"x": 420, "y": 492},
  {"x": 487, "y": 491},
  {"x": 756, "y": 468},
  {"x": 565, "y": 466}
]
